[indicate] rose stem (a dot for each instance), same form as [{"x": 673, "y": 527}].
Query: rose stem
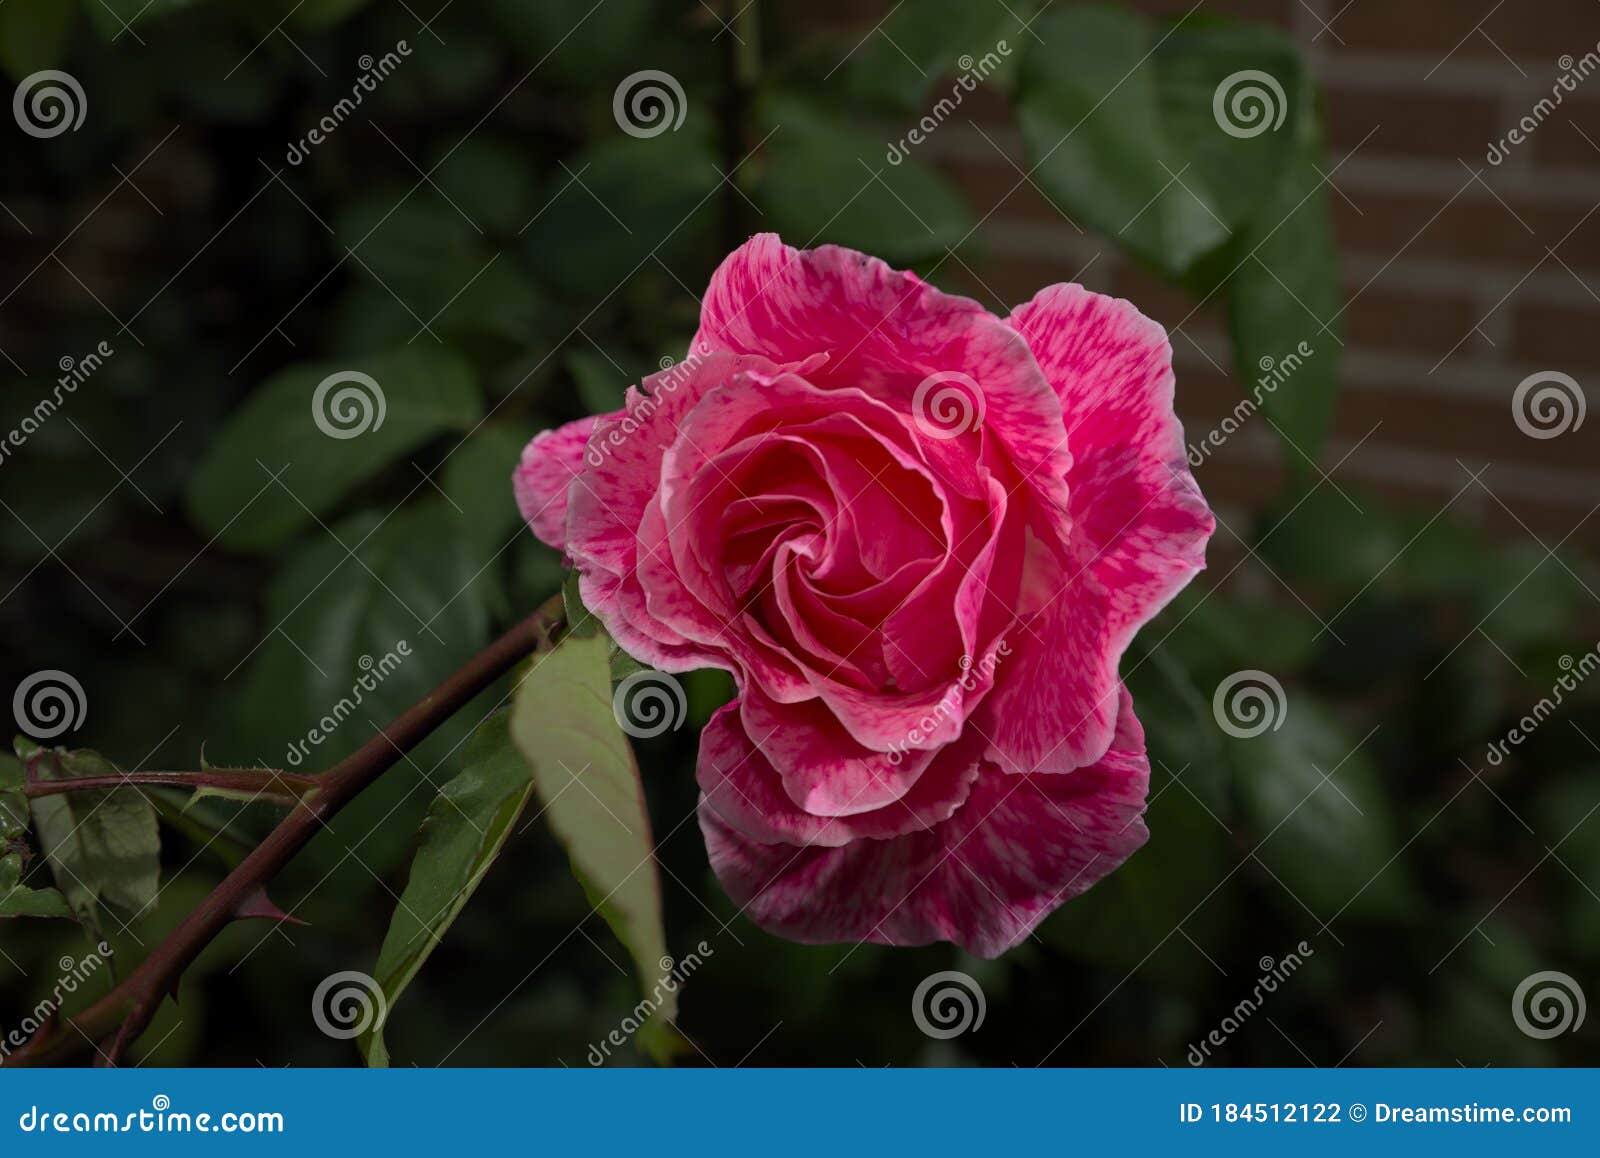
[{"x": 137, "y": 998}]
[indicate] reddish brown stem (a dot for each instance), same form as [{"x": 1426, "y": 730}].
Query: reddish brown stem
[{"x": 135, "y": 1001}]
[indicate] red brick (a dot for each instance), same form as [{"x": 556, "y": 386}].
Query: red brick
[
  {"x": 1266, "y": 11},
  {"x": 1559, "y": 139},
  {"x": 1412, "y": 122},
  {"x": 1474, "y": 225},
  {"x": 1472, "y": 428},
  {"x": 989, "y": 185},
  {"x": 1469, "y": 428},
  {"x": 1165, "y": 303},
  {"x": 1557, "y": 337},
  {"x": 1004, "y": 282},
  {"x": 1545, "y": 28},
  {"x": 1405, "y": 322}
]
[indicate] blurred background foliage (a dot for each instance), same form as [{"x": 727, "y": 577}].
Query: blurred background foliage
[{"x": 481, "y": 238}]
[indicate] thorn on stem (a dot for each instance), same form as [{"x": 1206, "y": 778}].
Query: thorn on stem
[{"x": 259, "y": 906}]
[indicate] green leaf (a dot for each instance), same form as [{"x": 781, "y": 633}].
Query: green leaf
[
  {"x": 34, "y": 34},
  {"x": 415, "y": 602},
  {"x": 17, "y": 900},
  {"x": 1213, "y": 635},
  {"x": 477, "y": 480},
  {"x": 603, "y": 379},
  {"x": 572, "y": 42},
  {"x": 102, "y": 845},
  {"x": 13, "y": 803},
  {"x": 1119, "y": 122},
  {"x": 469, "y": 823},
  {"x": 420, "y": 578},
  {"x": 1445, "y": 557},
  {"x": 583, "y": 623},
  {"x": 1323, "y": 541},
  {"x": 1313, "y": 794},
  {"x": 620, "y": 206},
  {"x": 409, "y": 244},
  {"x": 112, "y": 18},
  {"x": 1283, "y": 304},
  {"x": 490, "y": 179},
  {"x": 420, "y": 393},
  {"x": 921, "y": 42},
  {"x": 562, "y": 720},
  {"x": 324, "y": 13},
  {"x": 826, "y": 182},
  {"x": 1529, "y": 596},
  {"x": 430, "y": 256}
]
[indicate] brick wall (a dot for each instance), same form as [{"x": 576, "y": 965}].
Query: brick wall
[{"x": 1462, "y": 278}]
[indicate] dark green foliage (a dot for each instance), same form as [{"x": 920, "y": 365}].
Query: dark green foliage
[{"x": 481, "y": 239}]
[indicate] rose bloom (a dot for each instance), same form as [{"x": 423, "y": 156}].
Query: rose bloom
[{"x": 920, "y": 537}]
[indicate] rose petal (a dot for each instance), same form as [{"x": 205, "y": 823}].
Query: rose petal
[
  {"x": 542, "y": 478},
  {"x": 1018, "y": 847},
  {"x": 823, "y": 770},
  {"x": 745, "y": 792},
  {"x": 889, "y": 332},
  {"x": 1139, "y": 525},
  {"x": 610, "y": 498}
]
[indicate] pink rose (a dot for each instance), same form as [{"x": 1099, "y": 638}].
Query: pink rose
[{"x": 920, "y": 538}]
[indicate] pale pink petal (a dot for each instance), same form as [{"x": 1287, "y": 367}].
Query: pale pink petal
[{"x": 541, "y": 479}]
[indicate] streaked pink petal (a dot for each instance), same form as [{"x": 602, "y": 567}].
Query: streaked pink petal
[
  {"x": 1017, "y": 848},
  {"x": 541, "y": 479},
  {"x": 823, "y": 770},
  {"x": 888, "y": 332},
  {"x": 1139, "y": 525},
  {"x": 744, "y": 791}
]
